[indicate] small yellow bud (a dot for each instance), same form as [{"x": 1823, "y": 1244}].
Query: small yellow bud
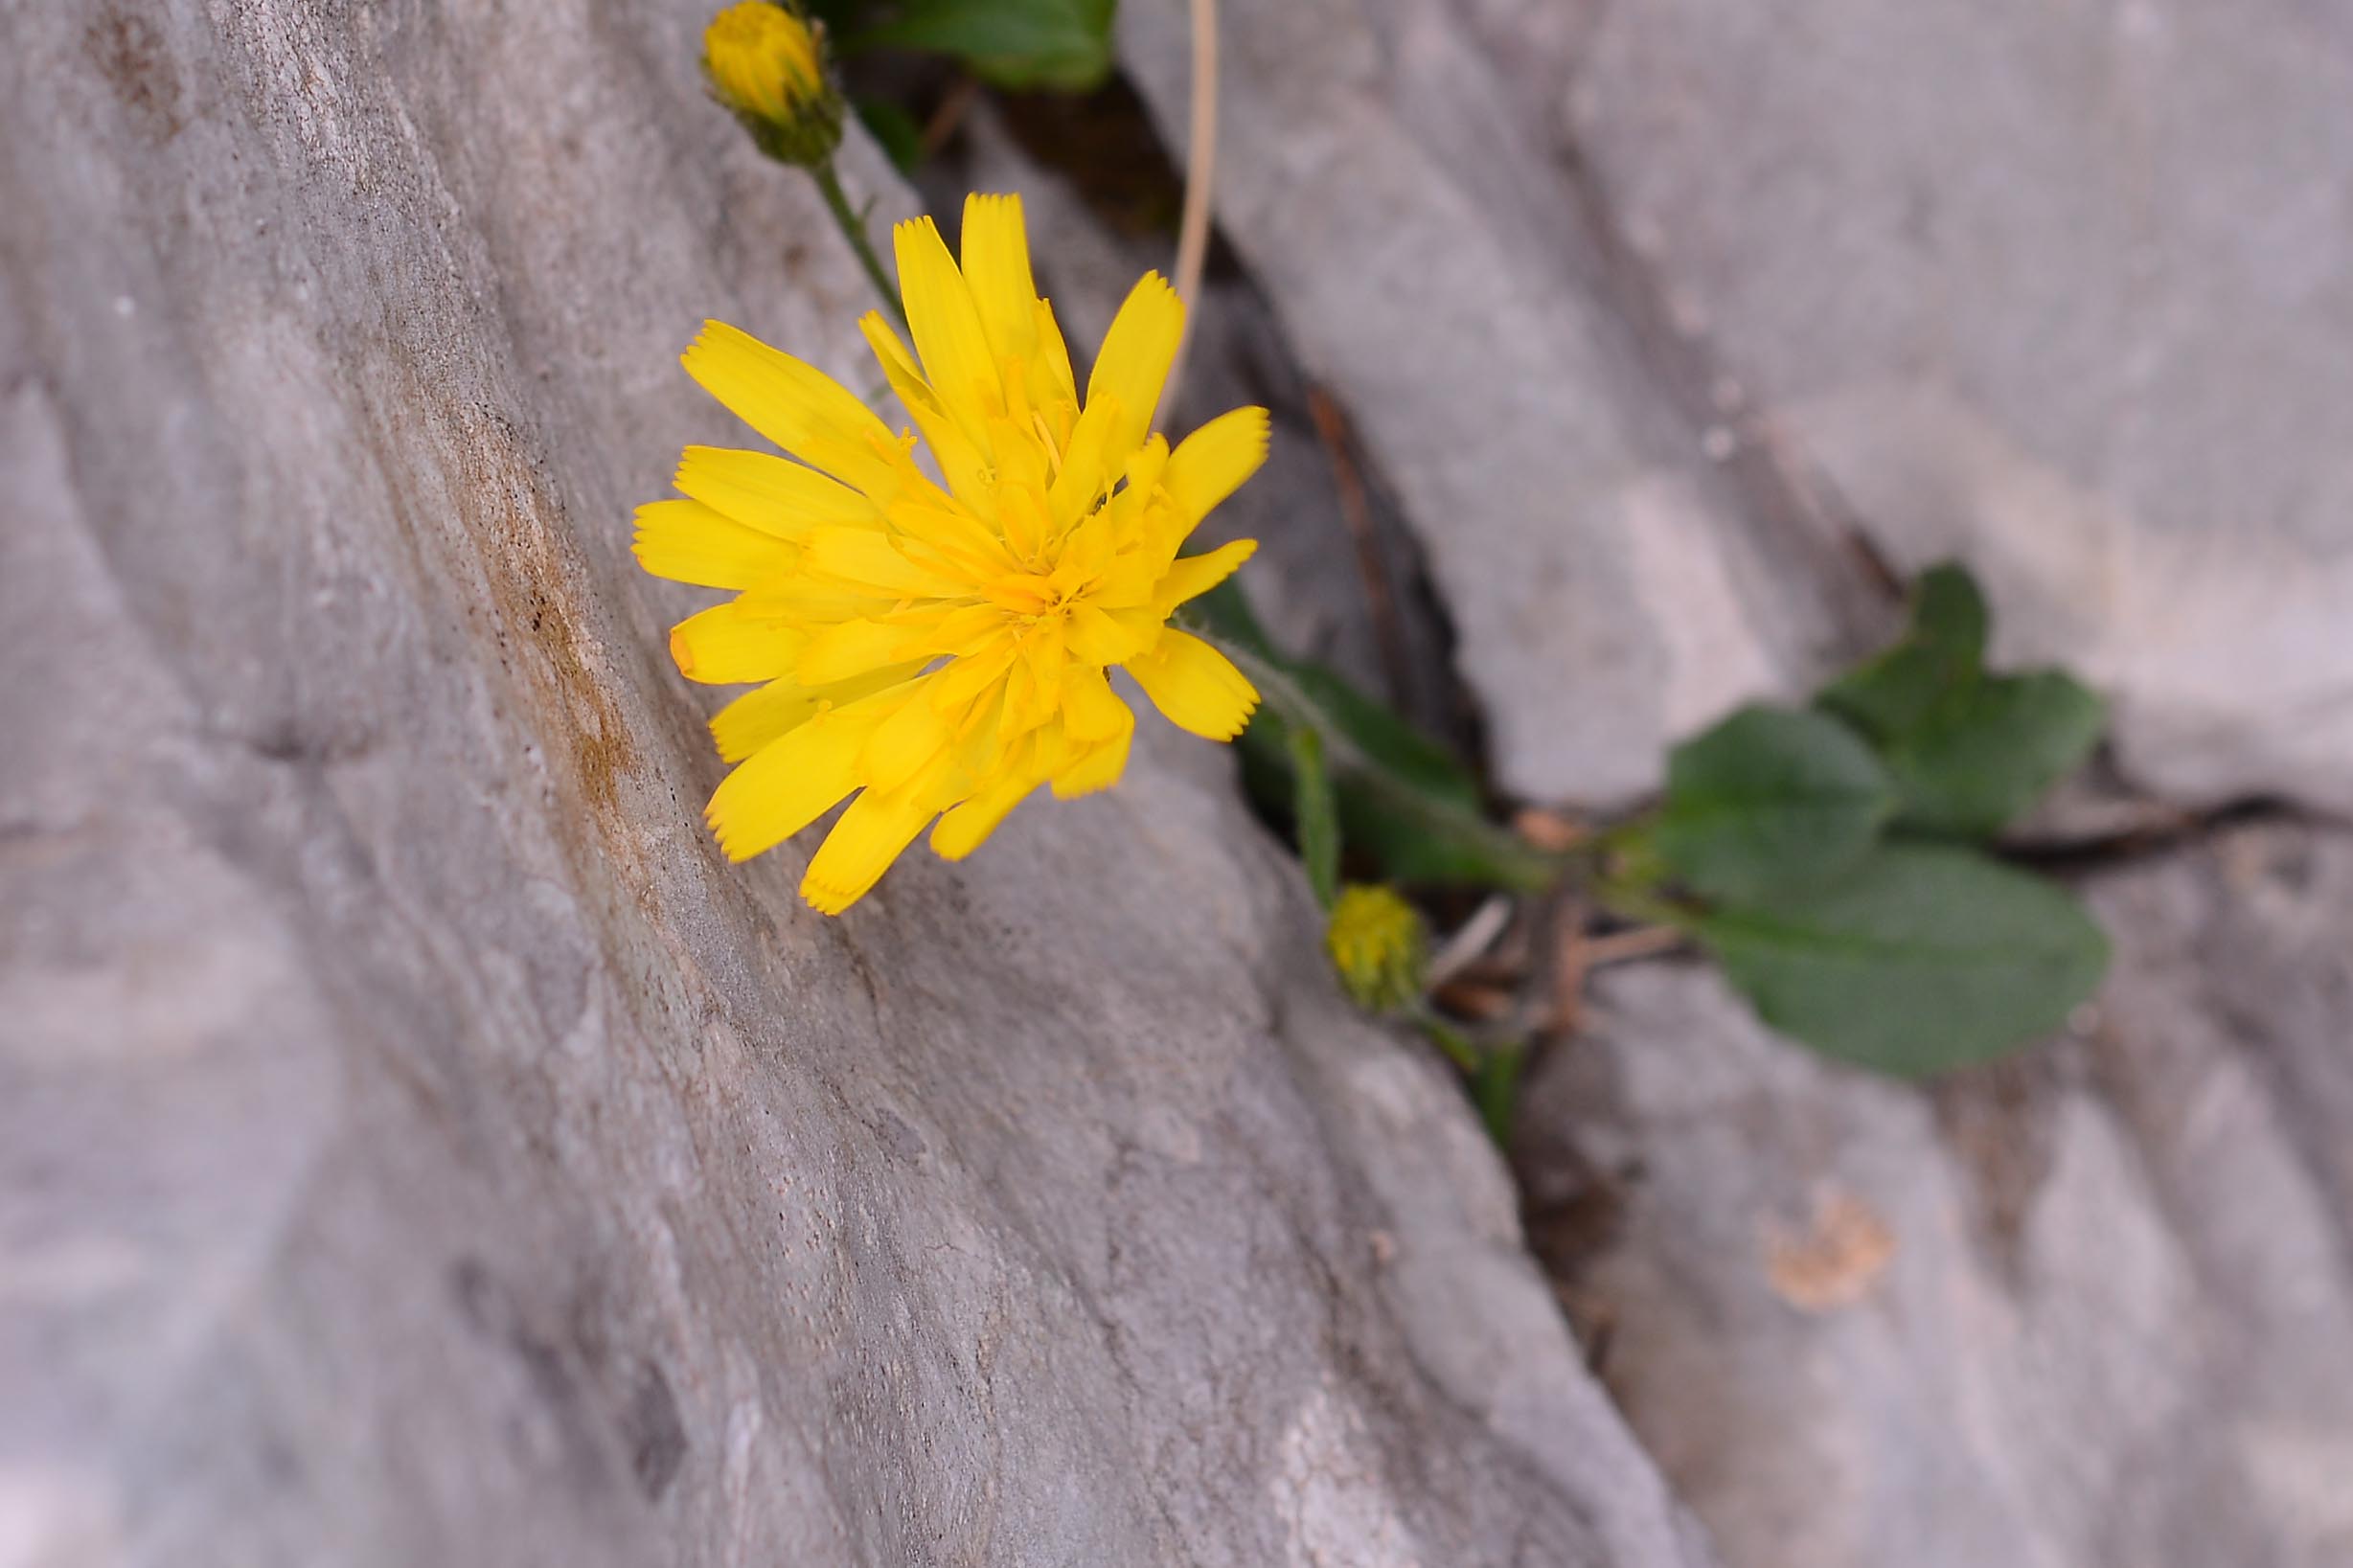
[
  {"x": 767, "y": 65},
  {"x": 1377, "y": 943}
]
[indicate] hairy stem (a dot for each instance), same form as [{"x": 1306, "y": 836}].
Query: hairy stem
[
  {"x": 853, "y": 228},
  {"x": 1529, "y": 868}
]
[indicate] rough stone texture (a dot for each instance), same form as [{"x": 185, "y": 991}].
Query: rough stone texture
[
  {"x": 2053, "y": 286},
  {"x": 2091, "y": 1308},
  {"x": 415, "y": 1147},
  {"x": 1611, "y": 586},
  {"x": 2056, "y": 288}
]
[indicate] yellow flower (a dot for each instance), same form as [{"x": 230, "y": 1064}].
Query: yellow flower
[
  {"x": 940, "y": 652},
  {"x": 1375, "y": 942},
  {"x": 767, "y": 66}
]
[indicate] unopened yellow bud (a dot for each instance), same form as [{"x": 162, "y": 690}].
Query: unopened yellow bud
[
  {"x": 1378, "y": 945},
  {"x": 767, "y": 65}
]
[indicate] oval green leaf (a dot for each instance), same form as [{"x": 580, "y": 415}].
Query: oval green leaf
[
  {"x": 1770, "y": 800},
  {"x": 1924, "y": 958}
]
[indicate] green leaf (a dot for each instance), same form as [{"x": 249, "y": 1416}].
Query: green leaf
[
  {"x": 1405, "y": 801},
  {"x": 1059, "y": 44},
  {"x": 1969, "y": 751},
  {"x": 1315, "y": 815},
  {"x": 1986, "y": 760},
  {"x": 1771, "y": 799},
  {"x": 1495, "y": 1089},
  {"x": 1941, "y": 653},
  {"x": 1924, "y": 958}
]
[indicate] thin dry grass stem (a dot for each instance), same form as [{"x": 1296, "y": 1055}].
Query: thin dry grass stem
[
  {"x": 1200, "y": 181},
  {"x": 1470, "y": 939},
  {"x": 948, "y": 118}
]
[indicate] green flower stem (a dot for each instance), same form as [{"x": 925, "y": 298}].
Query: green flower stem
[
  {"x": 1448, "y": 1038},
  {"x": 853, "y": 228},
  {"x": 1530, "y": 870},
  {"x": 1495, "y": 1089},
  {"x": 1626, "y": 873}
]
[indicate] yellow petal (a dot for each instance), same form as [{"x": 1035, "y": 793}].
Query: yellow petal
[
  {"x": 1196, "y": 686},
  {"x": 963, "y": 461},
  {"x": 1024, "y": 707},
  {"x": 964, "y": 828},
  {"x": 795, "y": 405},
  {"x": 946, "y": 327},
  {"x": 851, "y": 649},
  {"x": 1210, "y": 465},
  {"x": 796, "y": 779},
  {"x": 1141, "y": 490},
  {"x": 860, "y": 848},
  {"x": 1087, "y": 550},
  {"x": 905, "y": 743},
  {"x": 756, "y": 717},
  {"x": 1134, "y": 361},
  {"x": 1051, "y": 380},
  {"x": 1097, "y": 639},
  {"x": 966, "y": 631},
  {"x": 967, "y": 677},
  {"x": 809, "y": 600},
  {"x": 1092, "y": 711},
  {"x": 1195, "y": 575},
  {"x": 1021, "y": 457},
  {"x": 688, "y": 542},
  {"x": 723, "y": 646},
  {"x": 770, "y": 493},
  {"x": 1087, "y": 467},
  {"x": 1045, "y": 650},
  {"x": 1101, "y": 765},
  {"x": 872, "y": 562},
  {"x": 956, "y": 534},
  {"x": 997, "y": 267}
]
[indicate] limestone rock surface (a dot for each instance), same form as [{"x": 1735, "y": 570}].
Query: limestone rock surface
[
  {"x": 415, "y": 1145},
  {"x": 1678, "y": 300},
  {"x": 2092, "y": 1306}
]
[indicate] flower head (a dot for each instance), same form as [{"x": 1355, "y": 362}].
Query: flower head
[
  {"x": 767, "y": 65},
  {"x": 942, "y": 651},
  {"x": 1377, "y": 943}
]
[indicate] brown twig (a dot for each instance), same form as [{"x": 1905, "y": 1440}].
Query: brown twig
[
  {"x": 1579, "y": 954},
  {"x": 948, "y": 118},
  {"x": 1331, "y": 429},
  {"x": 1626, "y": 946},
  {"x": 1571, "y": 961}
]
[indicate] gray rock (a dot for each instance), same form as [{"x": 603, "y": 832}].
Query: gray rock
[
  {"x": 2093, "y": 1307},
  {"x": 415, "y": 1146},
  {"x": 1612, "y": 584},
  {"x": 2053, "y": 289}
]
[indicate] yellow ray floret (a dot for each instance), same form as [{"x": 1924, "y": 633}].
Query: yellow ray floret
[{"x": 936, "y": 652}]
